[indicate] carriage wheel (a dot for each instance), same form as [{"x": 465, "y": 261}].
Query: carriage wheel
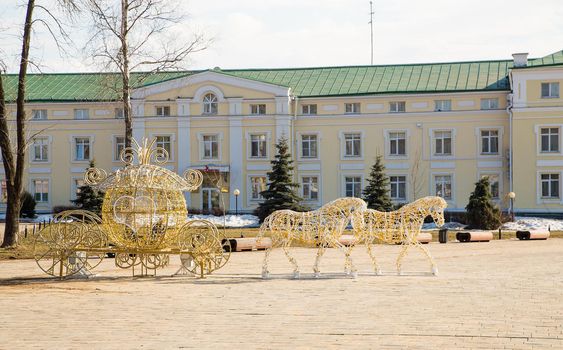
[
  {"x": 62, "y": 248},
  {"x": 126, "y": 260},
  {"x": 154, "y": 261},
  {"x": 206, "y": 245}
]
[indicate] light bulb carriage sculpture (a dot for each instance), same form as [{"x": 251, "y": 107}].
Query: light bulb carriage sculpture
[{"x": 143, "y": 221}]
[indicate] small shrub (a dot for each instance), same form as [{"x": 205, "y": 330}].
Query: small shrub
[
  {"x": 217, "y": 212},
  {"x": 194, "y": 211},
  {"x": 28, "y": 205},
  {"x": 60, "y": 208},
  {"x": 88, "y": 198},
  {"x": 481, "y": 212}
]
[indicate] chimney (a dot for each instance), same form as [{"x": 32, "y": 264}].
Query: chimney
[{"x": 520, "y": 59}]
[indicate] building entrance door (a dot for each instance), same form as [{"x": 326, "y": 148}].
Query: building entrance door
[{"x": 210, "y": 199}]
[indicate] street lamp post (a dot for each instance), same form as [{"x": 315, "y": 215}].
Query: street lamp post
[
  {"x": 236, "y": 192},
  {"x": 511, "y": 195}
]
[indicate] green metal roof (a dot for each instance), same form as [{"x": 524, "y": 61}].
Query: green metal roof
[
  {"x": 70, "y": 87},
  {"x": 304, "y": 82},
  {"x": 415, "y": 78},
  {"x": 549, "y": 60}
]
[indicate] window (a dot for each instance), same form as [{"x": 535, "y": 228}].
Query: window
[
  {"x": 163, "y": 111},
  {"x": 489, "y": 103},
  {"x": 549, "y": 140},
  {"x": 398, "y": 187},
  {"x": 397, "y": 143},
  {"x": 41, "y": 190},
  {"x": 4, "y": 192},
  {"x": 119, "y": 113},
  {"x": 81, "y": 148},
  {"x": 550, "y": 186},
  {"x": 494, "y": 185},
  {"x": 165, "y": 143},
  {"x": 353, "y": 144},
  {"x": 352, "y": 108},
  {"x": 309, "y": 146},
  {"x": 258, "y": 146},
  {"x": 210, "y": 146},
  {"x": 258, "y": 109},
  {"x": 210, "y": 105},
  {"x": 443, "y": 185},
  {"x": 549, "y": 90},
  {"x": 442, "y": 143},
  {"x": 257, "y": 185},
  {"x": 353, "y": 186},
  {"x": 397, "y": 107},
  {"x": 309, "y": 109},
  {"x": 310, "y": 187},
  {"x": 41, "y": 149},
  {"x": 442, "y": 105},
  {"x": 81, "y": 114},
  {"x": 489, "y": 141},
  {"x": 118, "y": 147},
  {"x": 39, "y": 114}
]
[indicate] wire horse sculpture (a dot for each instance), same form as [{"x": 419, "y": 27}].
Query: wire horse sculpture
[
  {"x": 143, "y": 222},
  {"x": 400, "y": 227},
  {"x": 322, "y": 228}
]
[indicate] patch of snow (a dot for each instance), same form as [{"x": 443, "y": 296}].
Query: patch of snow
[
  {"x": 38, "y": 218},
  {"x": 532, "y": 223},
  {"x": 229, "y": 220},
  {"x": 448, "y": 225},
  {"x": 43, "y": 217}
]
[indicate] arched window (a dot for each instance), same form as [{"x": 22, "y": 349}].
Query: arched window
[{"x": 209, "y": 104}]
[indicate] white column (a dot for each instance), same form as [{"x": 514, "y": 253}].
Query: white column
[
  {"x": 283, "y": 127},
  {"x": 235, "y": 156},
  {"x": 282, "y": 105},
  {"x": 283, "y": 120},
  {"x": 183, "y": 106},
  {"x": 138, "y": 109},
  {"x": 184, "y": 149},
  {"x": 235, "y": 105}
]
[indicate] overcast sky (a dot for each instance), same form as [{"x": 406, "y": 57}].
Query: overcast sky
[{"x": 300, "y": 33}]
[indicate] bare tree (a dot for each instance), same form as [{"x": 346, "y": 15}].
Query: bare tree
[
  {"x": 13, "y": 158},
  {"x": 130, "y": 35},
  {"x": 417, "y": 175}
]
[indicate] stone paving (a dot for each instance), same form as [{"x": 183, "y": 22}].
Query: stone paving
[{"x": 497, "y": 295}]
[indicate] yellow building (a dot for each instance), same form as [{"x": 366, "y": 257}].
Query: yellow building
[{"x": 440, "y": 127}]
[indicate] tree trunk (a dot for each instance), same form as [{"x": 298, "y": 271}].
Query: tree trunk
[
  {"x": 126, "y": 91},
  {"x": 12, "y": 212},
  {"x": 14, "y": 174}
]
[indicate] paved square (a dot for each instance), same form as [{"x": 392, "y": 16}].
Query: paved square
[{"x": 502, "y": 294}]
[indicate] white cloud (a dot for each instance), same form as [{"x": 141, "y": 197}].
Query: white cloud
[{"x": 293, "y": 33}]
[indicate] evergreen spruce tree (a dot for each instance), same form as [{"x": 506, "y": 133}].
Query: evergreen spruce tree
[
  {"x": 281, "y": 188},
  {"x": 89, "y": 198},
  {"x": 28, "y": 205},
  {"x": 376, "y": 193},
  {"x": 481, "y": 213}
]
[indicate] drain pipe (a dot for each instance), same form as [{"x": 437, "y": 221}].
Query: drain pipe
[
  {"x": 509, "y": 107},
  {"x": 293, "y": 139}
]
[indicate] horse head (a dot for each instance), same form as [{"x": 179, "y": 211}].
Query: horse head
[{"x": 435, "y": 208}]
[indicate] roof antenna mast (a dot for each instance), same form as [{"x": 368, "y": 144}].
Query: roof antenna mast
[{"x": 371, "y": 26}]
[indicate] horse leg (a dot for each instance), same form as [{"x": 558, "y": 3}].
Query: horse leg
[
  {"x": 265, "y": 272},
  {"x": 349, "y": 267},
  {"x": 376, "y": 268},
  {"x": 402, "y": 254},
  {"x": 291, "y": 259},
  {"x": 320, "y": 252},
  {"x": 434, "y": 267}
]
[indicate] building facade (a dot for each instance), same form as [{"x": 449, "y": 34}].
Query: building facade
[{"x": 440, "y": 127}]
